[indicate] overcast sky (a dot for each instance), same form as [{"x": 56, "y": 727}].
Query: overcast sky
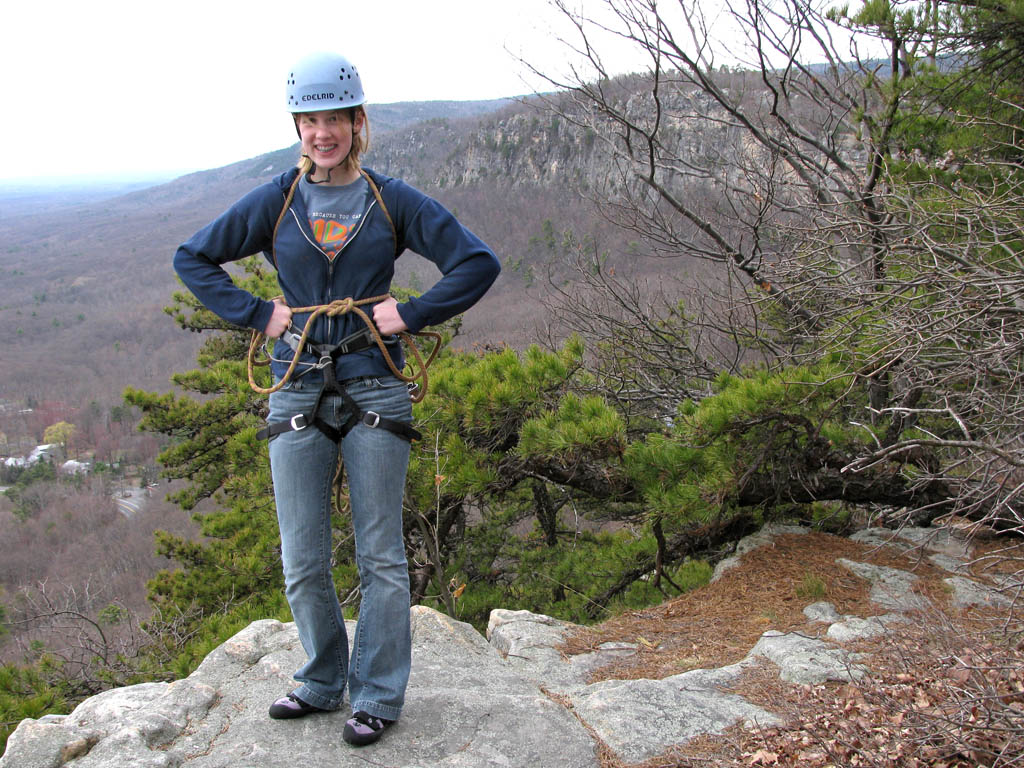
[{"x": 113, "y": 87}]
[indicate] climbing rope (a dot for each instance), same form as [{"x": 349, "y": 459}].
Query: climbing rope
[{"x": 343, "y": 307}]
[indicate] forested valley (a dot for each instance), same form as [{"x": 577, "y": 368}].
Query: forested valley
[{"x": 771, "y": 281}]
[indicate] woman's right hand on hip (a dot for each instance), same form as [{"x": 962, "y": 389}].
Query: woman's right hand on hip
[{"x": 279, "y": 321}]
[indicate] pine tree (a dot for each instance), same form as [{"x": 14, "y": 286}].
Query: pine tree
[{"x": 234, "y": 575}]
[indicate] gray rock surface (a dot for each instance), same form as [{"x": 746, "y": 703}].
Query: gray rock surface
[
  {"x": 529, "y": 642},
  {"x": 822, "y": 611},
  {"x": 466, "y": 708},
  {"x": 967, "y": 593},
  {"x": 844, "y": 629},
  {"x": 640, "y": 719},
  {"x": 948, "y": 563},
  {"x": 637, "y": 718},
  {"x": 513, "y": 699},
  {"x": 944, "y": 541},
  {"x": 855, "y": 628},
  {"x": 891, "y": 588},
  {"x": 806, "y": 660}
]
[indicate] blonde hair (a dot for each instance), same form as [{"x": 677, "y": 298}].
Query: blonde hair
[{"x": 360, "y": 141}]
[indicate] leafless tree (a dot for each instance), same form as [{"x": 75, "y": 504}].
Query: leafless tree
[
  {"x": 771, "y": 141},
  {"x": 90, "y": 642}
]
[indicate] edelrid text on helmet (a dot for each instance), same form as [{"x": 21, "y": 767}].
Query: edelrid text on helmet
[{"x": 323, "y": 81}]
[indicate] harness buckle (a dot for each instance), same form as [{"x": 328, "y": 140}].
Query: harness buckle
[
  {"x": 291, "y": 338},
  {"x": 294, "y": 421},
  {"x": 376, "y": 419}
]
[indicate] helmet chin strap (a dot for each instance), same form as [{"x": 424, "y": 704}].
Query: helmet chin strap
[{"x": 309, "y": 176}]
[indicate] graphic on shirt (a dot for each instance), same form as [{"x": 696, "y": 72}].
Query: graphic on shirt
[{"x": 330, "y": 232}]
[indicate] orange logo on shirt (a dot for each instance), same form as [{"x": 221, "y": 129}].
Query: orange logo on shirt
[{"x": 330, "y": 234}]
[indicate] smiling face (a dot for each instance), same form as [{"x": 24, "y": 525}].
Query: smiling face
[{"x": 327, "y": 139}]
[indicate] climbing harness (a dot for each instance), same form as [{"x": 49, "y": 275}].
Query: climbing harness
[
  {"x": 328, "y": 355},
  {"x": 354, "y": 414}
]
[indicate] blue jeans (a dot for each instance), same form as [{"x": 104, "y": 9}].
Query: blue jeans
[{"x": 302, "y": 464}]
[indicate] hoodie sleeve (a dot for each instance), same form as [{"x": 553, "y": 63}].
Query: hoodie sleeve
[
  {"x": 244, "y": 229},
  {"x": 467, "y": 265}
]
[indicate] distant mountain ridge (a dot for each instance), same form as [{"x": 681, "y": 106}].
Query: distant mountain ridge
[
  {"x": 82, "y": 293},
  {"x": 21, "y": 198},
  {"x": 24, "y": 197},
  {"x": 83, "y": 288}
]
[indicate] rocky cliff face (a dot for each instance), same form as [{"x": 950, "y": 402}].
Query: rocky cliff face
[
  {"x": 561, "y": 142},
  {"x": 518, "y": 146},
  {"x": 513, "y": 699}
]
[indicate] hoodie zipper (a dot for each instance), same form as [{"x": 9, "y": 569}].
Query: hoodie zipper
[{"x": 331, "y": 262}]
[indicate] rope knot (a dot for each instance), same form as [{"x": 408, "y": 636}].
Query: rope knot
[{"x": 340, "y": 307}]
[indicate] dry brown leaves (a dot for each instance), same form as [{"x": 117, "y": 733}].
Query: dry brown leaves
[
  {"x": 719, "y": 623},
  {"x": 943, "y": 691},
  {"x": 936, "y": 696}
]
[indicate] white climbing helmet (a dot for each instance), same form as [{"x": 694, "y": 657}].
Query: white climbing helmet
[{"x": 323, "y": 81}]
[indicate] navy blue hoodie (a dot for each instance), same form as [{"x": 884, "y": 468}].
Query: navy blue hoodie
[{"x": 364, "y": 267}]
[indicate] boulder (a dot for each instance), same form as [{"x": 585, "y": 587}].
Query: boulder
[
  {"x": 529, "y": 642},
  {"x": 466, "y": 708}
]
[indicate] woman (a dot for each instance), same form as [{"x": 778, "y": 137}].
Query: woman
[{"x": 333, "y": 231}]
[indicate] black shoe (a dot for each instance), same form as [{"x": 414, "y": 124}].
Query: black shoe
[
  {"x": 362, "y": 729},
  {"x": 291, "y": 706}
]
